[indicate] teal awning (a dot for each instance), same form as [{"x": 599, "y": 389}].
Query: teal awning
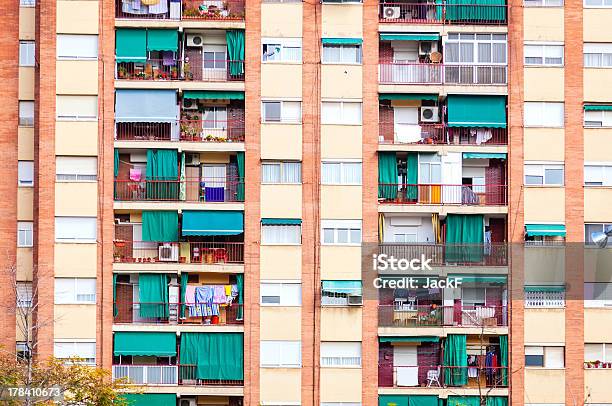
[
  {"x": 342, "y": 41},
  {"x": 471, "y": 278},
  {"x": 150, "y": 399},
  {"x": 597, "y": 107},
  {"x": 279, "y": 222},
  {"x": 545, "y": 288},
  {"x": 409, "y": 37},
  {"x": 348, "y": 287},
  {"x": 130, "y": 45},
  {"x": 216, "y": 356},
  {"x": 145, "y": 344},
  {"x": 476, "y": 111},
  {"x": 408, "y": 400},
  {"x": 484, "y": 155},
  {"x": 408, "y": 96},
  {"x": 212, "y": 94},
  {"x": 545, "y": 230},
  {"x": 213, "y": 222},
  {"x": 162, "y": 40},
  {"x": 415, "y": 339}
]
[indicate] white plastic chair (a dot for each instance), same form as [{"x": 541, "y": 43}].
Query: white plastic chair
[{"x": 433, "y": 376}]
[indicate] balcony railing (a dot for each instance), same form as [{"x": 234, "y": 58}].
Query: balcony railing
[
  {"x": 152, "y": 69},
  {"x": 188, "y": 376},
  {"x": 440, "y": 134},
  {"x": 435, "y": 376},
  {"x": 443, "y": 13},
  {"x": 231, "y": 130},
  {"x": 495, "y": 254},
  {"x": 229, "y": 10},
  {"x": 128, "y": 312},
  {"x": 207, "y": 189},
  {"x": 213, "y": 70},
  {"x": 192, "y": 69},
  {"x": 442, "y": 73},
  {"x": 178, "y": 252},
  {"x": 134, "y": 9},
  {"x": 146, "y": 131},
  {"x": 470, "y": 195},
  {"x": 544, "y": 299},
  {"x": 147, "y": 374},
  {"x": 213, "y": 10},
  {"x": 402, "y": 315}
]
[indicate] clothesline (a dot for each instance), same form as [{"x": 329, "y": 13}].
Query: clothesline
[{"x": 205, "y": 300}]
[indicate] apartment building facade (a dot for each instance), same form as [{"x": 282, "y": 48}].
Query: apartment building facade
[{"x": 199, "y": 185}]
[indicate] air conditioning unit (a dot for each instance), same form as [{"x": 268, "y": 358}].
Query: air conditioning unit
[
  {"x": 190, "y": 104},
  {"x": 188, "y": 402},
  {"x": 168, "y": 252},
  {"x": 427, "y": 47},
  {"x": 429, "y": 115},
  {"x": 192, "y": 159},
  {"x": 391, "y": 13},
  {"x": 195, "y": 40},
  {"x": 355, "y": 300}
]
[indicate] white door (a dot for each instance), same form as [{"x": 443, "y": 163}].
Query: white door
[
  {"x": 214, "y": 62},
  {"x": 406, "y": 124},
  {"x": 214, "y": 175},
  {"x": 452, "y": 176},
  {"x": 406, "y": 366}
]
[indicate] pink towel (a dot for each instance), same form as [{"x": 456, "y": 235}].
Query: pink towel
[
  {"x": 219, "y": 296},
  {"x": 135, "y": 174},
  {"x": 190, "y": 295}
]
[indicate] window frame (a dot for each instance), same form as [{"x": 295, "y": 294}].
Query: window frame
[
  {"x": 76, "y": 240},
  {"x": 283, "y": 296},
  {"x": 475, "y": 41},
  {"x": 25, "y": 168},
  {"x": 606, "y": 118},
  {"x": 604, "y": 168},
  {"x": 587, "y": 237},
  {"x": 282, "y": 172},
  {"x": 24, "y": 295},
  {"x": 60, "y": 42},
  {"x": 282, "y": 117},
  {"x": 605, "y": 352},
  {"x": 544, "y": 46},
  {"x": 585, "y": 5},
  {"x": 283, "y": 43},
  {"x": 281, "y": 346},
  {"x": 336, "y": 226},
  {"x": 544, "y": 4},
  {"x": 25, "y": 228},
  {"x": 75, "y": 177},
  {"x": 342, "y": 61},
  {"x": 341, "y": 116},
  {"x": 545, "y": 356},
  {"x": 344, "y": 361},
  {"x": 77, "y": 117},
  {"x": 542, "y": 112},
  {"x": 75, "y": 345},
  {"x": 74, "y": 291},
  {"x": 543, "y": 166},
  {"x": 26, "y": 121},
  {"x": 297, "y": 226},
  {"x": 27, "y": 53},
  {"x": 342, "y": 174}
]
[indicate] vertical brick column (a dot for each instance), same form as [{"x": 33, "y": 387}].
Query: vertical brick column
[
  {"x": 252, "y": 201},
  {"x": 9, "y": 75},
  {"x": 44, "y": 176}
]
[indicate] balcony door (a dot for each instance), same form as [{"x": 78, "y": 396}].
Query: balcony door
[
  {"x": 406, "y": 365},
  {"x": 406, "y": 125},
  {"x": 214, "y": 62},
  {"x": 405, "y": 58},
  {"x": 214, "y": 181},
  {"x": 214, "y": 122}
]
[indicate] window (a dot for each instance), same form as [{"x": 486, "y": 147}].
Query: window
[
  {"x": 489, "y": 49},
  {"x": 545, "y": 357},
  {"x": 281, "y": 354},
  {"x": 340, "y": 404},
  {"x": 543, "y": 114},
  {"x": 280, "y": 294},
  {"x": 598, "y": 352},
  {"x": 589, "y": 229},
  {"x": 24, "y": 294},
  {"x": 26, "y": 53},
  {"x": 214, "y": 56},
  {"x": 342, "y": 54},
  {"x": 341, "y": 173},
  {"x": 281, "y": 111},
  {"x": 340, "y": 1},
  {"x": 77, "y": 107},
  {"x": 26, "y": 113},
  {"x": 23, "y": 350},
  {"x": 77, "y": 46},
  {"x": 25, "y": 173},
  {"x": 597, "y": 4},
  {"x": 281, "y": 49},
  {"x": 25, "y": 234},
  {"x": 340, "y": 354},
  {"x": 543, "y": 55},
  {"x": 597, "y": 55},
  {"x": 597, "y": 118},
  {"x": 543, "y": 3},
  {"x": 73, "y": 168},
  {"x": 597, "y": 294},
  {"x": 84, "y": 350},
  {"x": 27, "y": 3},
  {"x": 544, "y": 297},
  {"x": 75, "y": 291},
  {"x": 544, "y": 174},
  {"x": 597, "y": 174},
  {"x": 473, "y": 297},
  {"x": 430, "y": 169},
  {"x": 75, "y": 229},
  {"x": 341, "y": 112},
  {"x": 281, "y": 234},
  {"x": 214, "y": 118},
  {"x": 341, "y": 232},
  {"x": 281, "y": 172},
  {"x": 337, "y": 292}
]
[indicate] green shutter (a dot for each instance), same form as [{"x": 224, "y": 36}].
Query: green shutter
[
  {"x": 235, "y": 51},
  {"x": 409, "y": 37},
  {"x": 455, "y": 355},
  {"x": 463, "y": 401},
  {"x": 392, "y": 400},
  {"x": 162, "y": 40},
  {"x": 212, "y": 222},
  {"x": 597, "y": 107},
  {"x": 281, "y": 222},
  {"x": 162, "y": 172},
  {"x": 485, "y": 155},
  {"x": 422, "y": 400},
  {"x": 214, "y": 356},
  {"x": 145, "y": 344},
  {"x": 240, "y": 286},
  {"x": 417, "y": 339},
  {"x": 151, "y": 399},
  {"x": 412, "y": 175},
  {"x": 473, "y": 11},
  {"x": 387, "y": 175},
  {"x": 408, "y": 96},
  {"x": 212, "y": 95},
  {"x": 503, "y": 362},
  {"x": 116, "y": 163},
  {"x": 184, "y": 279},
  {"x": 130, "y": 45},
  {"x": 554, "y": 230},
  {"x": 153, "y": 295},
  {"x": 471, "y": 278},
  {"x": 341, "y": 41},
  {"x": 240, "y": 186},
  {"x": 346, "y": 287},
  {"x": 464, "y": 238},
  {"x": 497, "y": 401},
  {"x": 545, "y": 288},
  {"x": 476, "y": 111},
  {"x": 159, "y": 226}
]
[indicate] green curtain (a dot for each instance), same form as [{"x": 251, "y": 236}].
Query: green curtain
[
  {"x": 422, "y": 400},
  {"x": 150, "y": 399},
  {"x": 162, "y": 170},
  {"x": 463, "y": 401},
  {"x": 153, "y": 295},
  {"x": 214, "y": 356},
  {"x": 184, "y": 278},
  {"x": 159, "y": 226},
  {"x": 469, "y": 10},
  {"x": 387, "y": 175},
  {"x": 464, "y": 238},
  {"x": 183, "y": 182},
  {"x": 240, "y": 285},
  {"x": 497, "y": 401},
  {"x": 116, "y": 163},
  {"x": 240, "y": 186},
  {"x": 503, "y": 348},
  {"x": 115, "y": 310},
  {"x": 407, "y": 400},
  {"x": 235, "y": 51},
  {"x": 412, "y": 175},
  {"x": 455, "y": 355}
]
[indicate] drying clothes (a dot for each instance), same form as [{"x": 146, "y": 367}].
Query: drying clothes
[
  {"x": 168, "y": 58},
  {"x": 219, "y": 296},
  {"x": 482, "y": 135},
  {"x": 487, "y": 243},
  {"x": 204, "y": 301},
  {"x": 228, "y": 290},
  {"x": 135, "y": 174}
]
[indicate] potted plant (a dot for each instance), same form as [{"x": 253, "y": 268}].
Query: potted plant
[
  {"x": 174, "y": 72},
  {"x": 122, "y": 72}
]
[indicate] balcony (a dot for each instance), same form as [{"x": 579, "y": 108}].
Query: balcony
[
  {"x": 178, "y": 252},
  {"x": 147, "y": 374},
  {"x": 432, "y": 315},
  {"x": 436, "y": 376},
  {"x": 442, "y": 73},
  {"x": 204, "y": 190},
  {"x": 440, "y": 134},
  {"x": 211, "y": 70},
  {"x": 442, "y": 195},
  {"x": 133, "y": 9},
  {"x": 152, "y": 69},
  {"x": 192, "y": 68},
  {"x": 495, "y": 254},
  {"x": 190, "y": 130},
  {"x": 215, "y": 10},
  {"x": 444, "y": 12},
  {"x": 128, "y": 312}
]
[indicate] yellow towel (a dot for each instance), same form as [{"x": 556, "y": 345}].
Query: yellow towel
[{"x": 228, "y": 290}]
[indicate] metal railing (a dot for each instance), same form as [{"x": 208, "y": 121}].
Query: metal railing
[
  {"x": 178, "y": 252},
  {"x": 152, "y": 69},
  {"x": 228, "y": 10},
  {"x": 433, "y": 194},
  {"x": 495, "y": 254},
  {"x": 147, "y": 374},
  {"x": 440, "y": 134},
  {"x": 405, "y": 315},
  {"x": 146, "y": 131},
  {"x": 544, "y": 299},
  {"x": 231, "y": 130},
  {"x": 213, "y": 10},
  {"x": 128, "y": 312},
  {"x": 441, "y": 12},
  {"x": 188, "y": 376},
  {"x": 438, "y": 376},
  {"x": 134, "y": 9},
  {"x": 442, "y": 73},
  {"x": 213, "y": 70},
  {"x": 206, "y": 189}
]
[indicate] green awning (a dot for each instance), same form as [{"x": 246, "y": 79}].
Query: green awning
[
  {"x": 485, "y": 155},
  {"x": 408, "y": 96},
  {"x": 145, "y": 344},
  {"x": 597, "y": 107},
  {"x": 409, "y": 37},
  {"x": 407, "y": 400},
  {"x": 130, "y": 45},
  {"x": 342, "y": 41},
  {"x": 476, "y": 111},
  {"x": 420, "y": 339},
  {"x": 162, "y": 40},
  {"x": 557, "y": 230},
  {"x": 463, "y": 401},
  {"x": 212, "y": 94},
  {"x": 281, "y": 222},
  {"x": 150, "y": 399},
  {"x": 471, "y": 278},
  {"x": 213, "y": 222},
  {"x": 215, "y": 356},
  {"x": 545, "y": 288},
  {"x": 348, "y": 287}
]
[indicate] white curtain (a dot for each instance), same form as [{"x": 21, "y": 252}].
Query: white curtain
[{"x": 281, "y": 234}]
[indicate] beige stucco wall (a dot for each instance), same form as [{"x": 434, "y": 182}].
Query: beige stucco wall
[
  {"x": 340, "y": 384},
  {"x": 76, "y": 199},
  {"x": 25, "y": 203},
  {"x": 26, "y": 83},
  {"x": 342, "y": 21},
  {"x": 281, "y": 201},
  {"x": 280, "y": 384},
  {"x": 341, "y": 81},
  {"x": 544, "y": 325},
  {"x": 544, "y": 385},
  {"x": 282, "y": 80},
  {"x": 597, "y": 325},
  {"x": 340, "y": 202},
  {"x": 77, "y": 77},
  {"x": 27, "y": 23},
  {"x": 281, "y": 20},
  {"x": 281, "y": 141},
  {"x": 280, "y": 262},
  {"x": 594, "y": 90},
  {"x": 280, "y": 323},
  {"x": 25, "y": 143},
  {"x": 543, "y": 24},
  {"x": 544, "y": 144},
  {"x": 597, "y": 204},
  {"x": 75, "y": 260},
  {"x": 597, "y": 385},
  {"x": 75, "y": 321},
  {"x": 25, "y": 260},
  {"x": 341, "y": 141},
  {"x": 340, "y": 262},
  {"x": 544, "y": 204},
  {"x": 77, "y": 17},
  {"x": 596, "y": 25},
  {"x": 597, "y": 143},
  {"x": 76, "y": 138},
  {"x": 341, "y": 323},
  {"x": 543, "y": 84}
]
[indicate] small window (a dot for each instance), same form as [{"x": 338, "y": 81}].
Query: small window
[
  {"x": 280, "y": 294},
  {"x": 86, "y": 351},
  {"x": 80, "y": 108},
  {"x": 27, "y": 53},
  {"x": 25, "y": 234},
  {"x": 281, "y": 172},
  {"x": 23, "y": 350},
  {"x": 601, "y": 352},
  {"x": 340, "y": 354},
  {"x": 598, "y": 55},
  {"x": 75, "y": 291},
  {"x": 281, "y": 50},
  {"x": 341, "y": 54},
  {"x": 543, "y": 55},
  {"x": 76, "y": 229},
  {"x": 25, "y": 173},
  {"x": 341, "y": 113},
  {"x": 341, "y": 292},
  {"x": 76, "y": 169},
  {"x": 281, "y": 234},
  {"x": 24, "y": 294},
  {"x": 591, "y": 228},
  {"x": 27, "y": 3},
  {"x": 544, "y": 114},
  {"x": 543, "y": 3},
  {"x": 280, "y": 354},
  {"x": 77, "y": 46},
  {"x": 597, "y": 3},
  {"x": 341, "y": 232},
  {"x": 341, "y": 173},
  {"x": 549, "y": 174},
  {"x": 597, "y": 118},
  {"x": 597, "y": 175},
  {"x": 282, "y": 112},
  {"x": 545, "y": 357},
  {"x": 26, "y": 113}
]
